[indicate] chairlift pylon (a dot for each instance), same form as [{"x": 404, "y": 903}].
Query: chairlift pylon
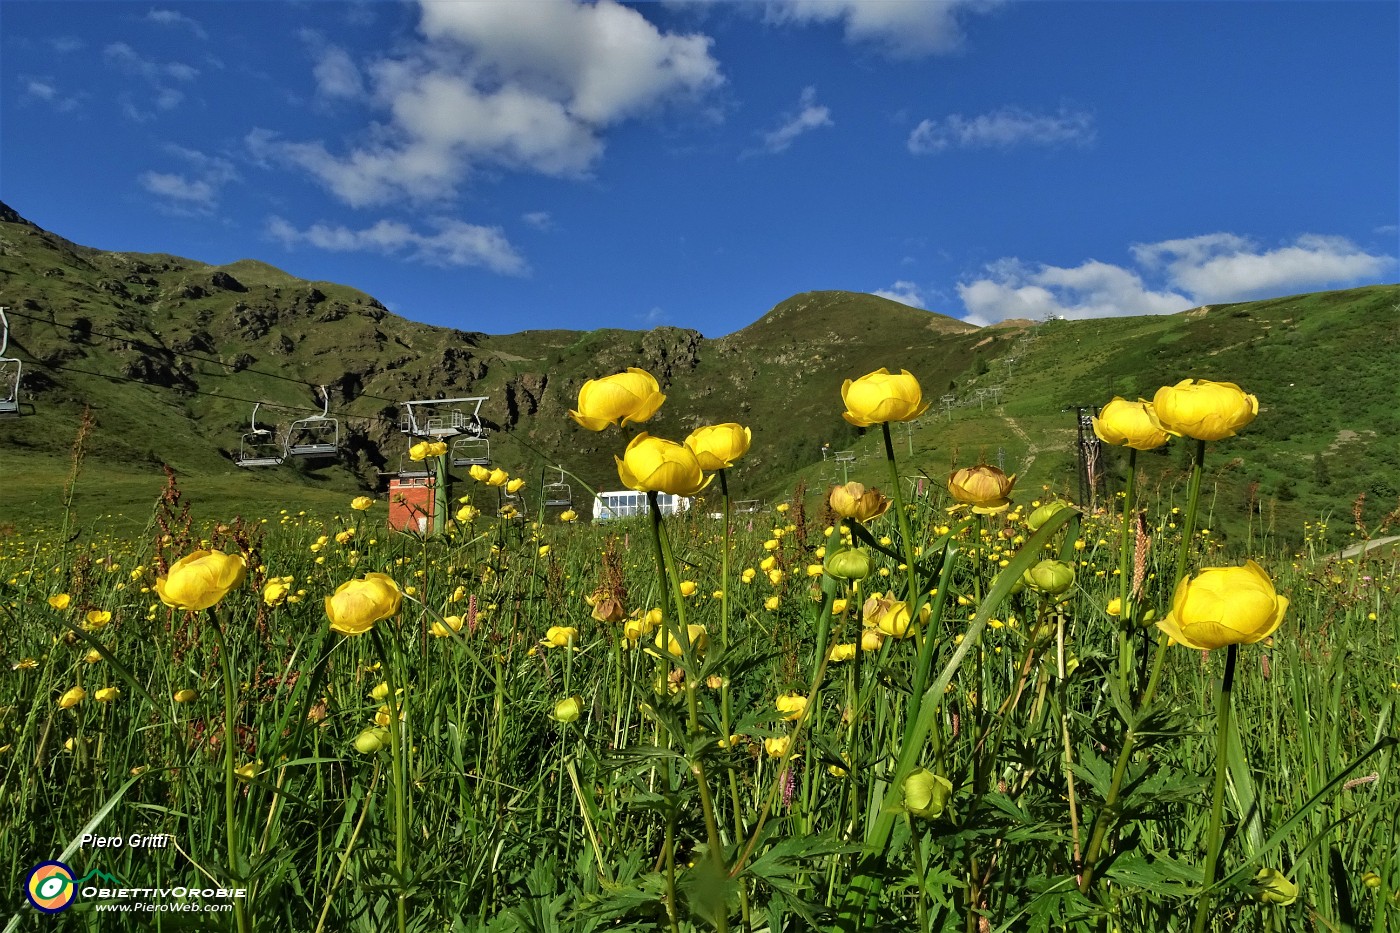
[
  {"x": 259, "y": 447},
  {"x": 560, "y": 494},
  {"x": 316, "y": 436},
  {"x": 10, "y": 371}
]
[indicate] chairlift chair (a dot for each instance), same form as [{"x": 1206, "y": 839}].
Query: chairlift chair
[
  {"x": 316, "y": 436},
  {"x": 259, "y": 447},
  {"x": 10, "y": 371},
  {"x": 470, "y": 447},
  {"x": 558, "y": 495}
]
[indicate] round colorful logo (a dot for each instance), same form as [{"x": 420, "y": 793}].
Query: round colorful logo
[{"x": 50, "y": 887}]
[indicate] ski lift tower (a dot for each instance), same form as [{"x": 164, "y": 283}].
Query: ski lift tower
[
  {"x": 10, "y": 370},
  {"x": 1088, "y": 456},
  {"x": 449, "y": 420}
]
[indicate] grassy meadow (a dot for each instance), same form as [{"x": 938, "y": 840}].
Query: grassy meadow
[{"x": 897, "y": 721}]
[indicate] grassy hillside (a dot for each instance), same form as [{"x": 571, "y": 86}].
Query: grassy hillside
[{"x": 169, "y": 355}]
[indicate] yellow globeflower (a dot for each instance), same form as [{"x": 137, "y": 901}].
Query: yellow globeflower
[
  {"x": 361, "y": 503},
  {"x": 497, "y": 477},
  {"x": 106, "y": 694},
  {"x": 467, "y": 513},
  {"x": 200, "y": 580},
  {"x": 185, "y": 696},
  {"x": 358, "y": 604},
  {"x": 881, "y": 396},
  {"x": 1130, "y": 424},
  {"x": 1204, "y": 410},
  {"x": 72, "y": 698},
  {"x": 479, "y": 473},
  {"x": 568, "y": 515},
  {"x": 688, "y": 587},
  {"x": 560, "y": 636},
  {"x": 60, "y": 602},
  {"x": 842, "y": 652},
  {"x": 515, "y": 486},
  {"x": 871, "y": 640},
  {"x": 717, "y": 446},
  {"x": 652, "y": 464},
  {"x": 699, "y": 640},
  {"x": 791, "y": 705},
  {"x": 642, "y": 626},
  {"x": 372, "y": 740},
  {"x": 568, "y": 709},
  {"x": 985, "y": 488},
  {"x": 777, "y": 747},
  {"x": 447, "y": 626},
  {"x": 853, "y": 500},
  {"x": 276, "y": 591},
  {"x": 633, "y": 396},
  {"x": 926, "y": 794},
  {"x": 97, "y": 618},
  {"x": 1224, "y": 606}
]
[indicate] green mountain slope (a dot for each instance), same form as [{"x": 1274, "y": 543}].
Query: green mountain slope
[{"x": 169, "y": 355}]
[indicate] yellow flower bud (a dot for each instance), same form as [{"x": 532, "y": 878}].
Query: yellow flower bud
[
  {"x": 372, "y": 740},
  {"x": 926, "y": 794},
  {"x": 568, "y": 709}
]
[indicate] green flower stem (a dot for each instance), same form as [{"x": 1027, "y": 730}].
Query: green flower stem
[
  {"x": 1130, "y": 737},
  {"x": 916, "y": 599},
  {"x": 906, "y": 533},
  {"x": 1189, "y": 529},
  {"x": 230, "y": 782},
  {"x": 1217, "y": 800},
  {"x": 400, "y": 788},
  {"x": 1125, "y": 609},
  {"x": 667, "y": 563}
]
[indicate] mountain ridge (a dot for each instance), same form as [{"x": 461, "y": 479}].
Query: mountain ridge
[{"x": 172, "y": 354}]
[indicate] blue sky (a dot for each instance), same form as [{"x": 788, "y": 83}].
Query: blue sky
[{"x": 517, "y": 165}]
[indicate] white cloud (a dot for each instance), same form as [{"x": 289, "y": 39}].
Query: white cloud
[
  {"x": 1091, "y": 289},
  {"x": 1002, "y": 129},
  {"x": 529, "y": 86},
  {"x": 129, "y": 60},
  {"x": 454, "y": 244},
  {"x": 904, "y": 292},
  {"x": 809, "y": 116},
  {"x": 65, "y": 44},
  {"x": 1207, "y": 269},
  {"x": 174, "y": 18},
  {"x": 46, "y": 90},
  {"x": 336, "y": 74},
  {"x": 899, "y": 28},
  {"x": 1219, "y": 267},
  {"x": 540, "y": 220},
  {"x": 194, "y": 191}
]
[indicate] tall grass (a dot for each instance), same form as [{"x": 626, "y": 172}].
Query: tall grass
[{"x": 662, "y": 806}]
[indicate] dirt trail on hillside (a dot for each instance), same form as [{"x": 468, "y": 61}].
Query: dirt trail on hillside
[{"x": 1031, "y": 448}]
